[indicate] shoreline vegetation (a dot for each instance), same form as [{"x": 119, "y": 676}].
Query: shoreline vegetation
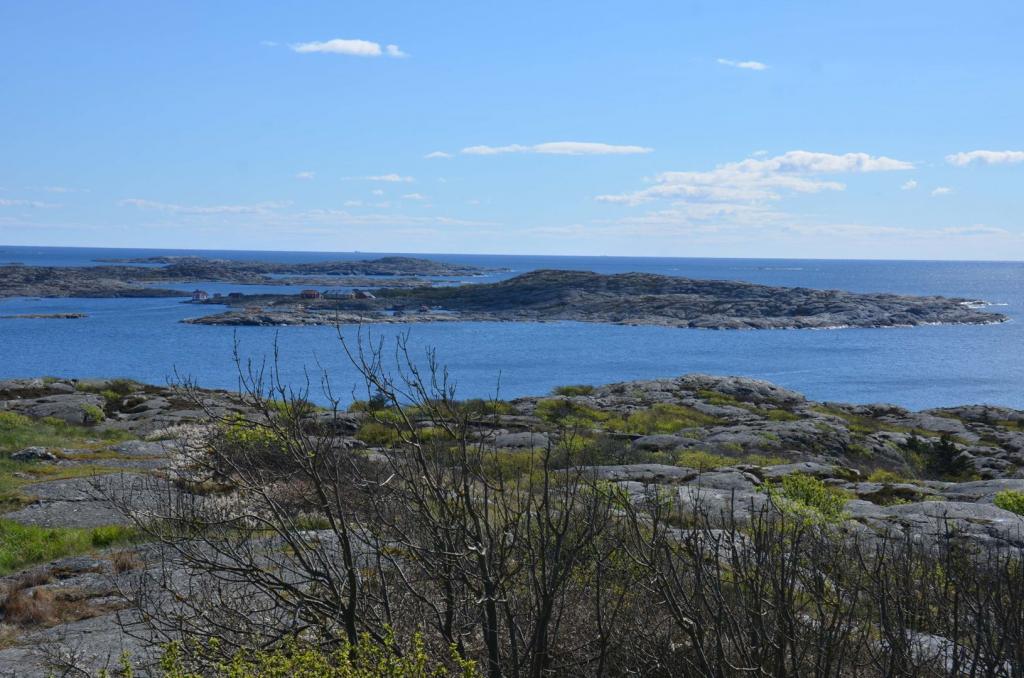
[{"x": 662, "y": 527}]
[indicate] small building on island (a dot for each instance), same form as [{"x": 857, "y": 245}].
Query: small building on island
[
  {"x": 360, "y": 294},
  {"x": 200, "y": 295},
  {"x": 309, "y": 294}
]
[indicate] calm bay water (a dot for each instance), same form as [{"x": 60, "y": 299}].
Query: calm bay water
[{"x": 915, "y": 367}]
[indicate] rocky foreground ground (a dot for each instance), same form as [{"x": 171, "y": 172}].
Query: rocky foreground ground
[
  {"x": 719, "y": 441},
  {"x": 624, "y": 299}
]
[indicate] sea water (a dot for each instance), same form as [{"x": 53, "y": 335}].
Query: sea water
[{"x": 916, "y": 367}]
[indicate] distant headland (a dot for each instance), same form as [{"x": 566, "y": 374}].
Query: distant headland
[{"x": 624, "y": 299}]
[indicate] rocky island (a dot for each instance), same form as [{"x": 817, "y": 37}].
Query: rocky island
[
  {"x": 624, "y": 299},
  {"x": 142, "y": 277}
]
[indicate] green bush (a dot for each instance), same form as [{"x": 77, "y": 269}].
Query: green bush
[
  {"x": 882, "y": 475},
  {"x": 574, "y": 390},
  {"x": 568, "y": 413},
  {"x": 482, "y": 409},
  {"x": 376, "y": 433},
  {"x": 238, "y": 430},
  {"x": 289, "y": 409},
  {"x": 703, "y": 461},
  {"x": 12, "y": 421},
  {"x": 716, "y": 398},
  {"x": 293, "y": 659},
  {"x": 1010, "y": 500},
  {"x": 92, "y": 415},
  {"x": 807, "y": 497}
]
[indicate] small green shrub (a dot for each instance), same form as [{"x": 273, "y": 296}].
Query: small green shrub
[
  {"x": 569, "y": 414},
  {"x": 12, "y": 421},
  {"x": 376, "y": 433},
  {"x": 809, "y": 498},
  {"x": 1010, "y": 500},
  {"x": 296, "y": 408},
  {"x": 293, "y": 659},
  {"x": 574, "y": 390},
  {"x": 882, "y": 475},
  {"x": 238, "y": 430},
  {"x": 703, "y": 461},
  {"x": 479, "y": 408},
  {"x": 92, "y": 415}
]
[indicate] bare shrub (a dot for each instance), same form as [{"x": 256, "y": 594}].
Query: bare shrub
[
  {"x": 530, "y": 565},
  {"x": 29, "y": 607}
]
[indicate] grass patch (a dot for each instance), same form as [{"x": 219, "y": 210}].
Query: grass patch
[
  {"x": 573, "y": 390},
  {"x": 866, "y": 425},
  {"x": 18, "y": 431},
  {"x": 14, "y": 475},
  {"x": 707, "y": 461},
  {"x": 24, "y": 545},
  {"x": 882, "y": 475},
  {"x": 716, "y": 398},
  {"x": 703, "y": 461},
  {"x": 780, "y": 415},
  {"x": 665, "y": 418}
]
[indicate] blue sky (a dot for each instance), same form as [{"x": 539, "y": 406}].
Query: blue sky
[{"x": 794, "y": 129}]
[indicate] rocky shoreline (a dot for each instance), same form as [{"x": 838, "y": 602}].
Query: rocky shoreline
[
  {"x": 130, "y": 278},
  {"x": 623, "y": 299},
  {"x": 44, "y": 316}
]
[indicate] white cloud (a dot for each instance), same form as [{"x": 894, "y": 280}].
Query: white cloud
[
  {"x": 437, "y": 154},
  {"x": 258, "y": 208},
  {"x": 759, "y": 180},
  {"x": 377, "y": 191},
  {"x": 749, "y": 65},
  {"x": 390, "y": 178},
  {"x": 349, "y": 47},
  {"x": 268, "y": 43},
  {"x": 306, "y": 176},
  {"x": 986, "y": 157},
  {"x": 10, "y": 202},
  {"x": 342, "y": 217},
  {"x": 559, "y": 148},
  {"x": 909, "y": 186},
  {"x": 353, "y": 203},
  {"x": 942, "y": 190},
  {"x": 414, "y": 196}
]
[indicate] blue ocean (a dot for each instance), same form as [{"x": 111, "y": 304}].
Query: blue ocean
[{"x": 917, "y": 367}]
